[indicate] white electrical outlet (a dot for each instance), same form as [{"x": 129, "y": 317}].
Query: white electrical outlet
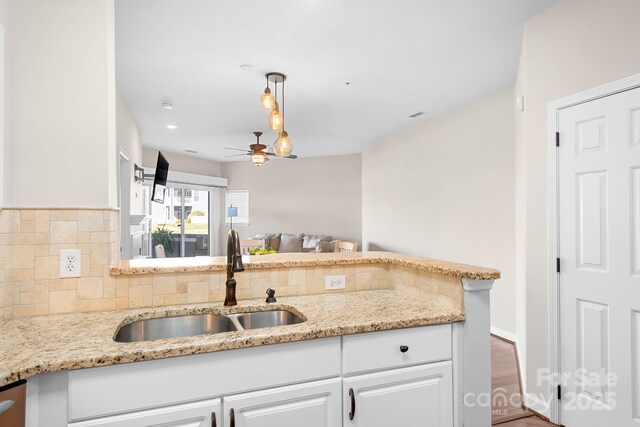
[
  {"x": 70, "y": 263},
  {"x": 334, "y": 282}
]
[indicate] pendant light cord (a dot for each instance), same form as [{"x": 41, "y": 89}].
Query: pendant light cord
[{"x": 283, "y": 105}]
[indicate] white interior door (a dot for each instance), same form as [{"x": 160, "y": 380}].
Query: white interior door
[{"x": 599, "y": 226}]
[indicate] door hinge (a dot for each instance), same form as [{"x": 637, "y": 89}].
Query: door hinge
[
  {"x": 558, "y": 265},
  {"x": 559, "y": 392},
  {"x": 557, "y": 139}
]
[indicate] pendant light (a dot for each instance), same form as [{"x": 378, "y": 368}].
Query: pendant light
[
  {"x": 283, "y": 146},
  {"x": 267, "y": 100},
  {"x": 275, "y": 118}
]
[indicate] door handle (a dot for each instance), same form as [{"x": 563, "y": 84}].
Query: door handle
[
  {"x": 213, "y": 420},
  {"x": 404, "y": 348},
  {"x": 5, "y": 405},
  {"x": 232, "y": 418},
  {"x": 352, "y": 412}
]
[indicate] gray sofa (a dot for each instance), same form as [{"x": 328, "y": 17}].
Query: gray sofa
[{"x": 290, "y": 243}]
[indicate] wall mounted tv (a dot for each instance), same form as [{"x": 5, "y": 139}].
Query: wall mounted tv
[{"x": 160, "y": 179}]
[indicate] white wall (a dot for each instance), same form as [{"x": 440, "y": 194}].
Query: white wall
[
  {"x": 128, "y": 139},
  {"x": 60, "y": 145},
  {"x": 180, "y": 163},
  {"x": 445, "y": 189},
  {"x": 317, "y": 195},
  {"x": 574, "y": 46}
]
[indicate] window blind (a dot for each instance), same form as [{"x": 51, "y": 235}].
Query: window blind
[{"x": 240, "y": 200}]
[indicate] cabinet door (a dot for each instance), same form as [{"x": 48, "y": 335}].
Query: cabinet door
[
  {"x": 197, "y": 414},
  {"x": 413, "y": 397},
  {"x": 313, "y": 404}
]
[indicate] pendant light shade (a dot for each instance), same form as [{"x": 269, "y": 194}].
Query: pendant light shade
[
  {"x": 283, "y": 146},
  {"x": 259, "y": 158},
  {"x": 267, "y": 100},
  {"x": 275, "y": 119}
]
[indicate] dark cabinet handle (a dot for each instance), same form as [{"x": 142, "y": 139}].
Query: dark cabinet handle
[
  {"x": 213, "y": 420},
  {"x": 232, "y": 419},
  {"x": 404, "y": 348},
  {"x": 352, "y": 412}
]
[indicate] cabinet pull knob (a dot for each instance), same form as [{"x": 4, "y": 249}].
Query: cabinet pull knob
[
  {"x": 232, "y": 418},
  {"x": 5, "y": 405},
  {"x": 404, "y": 348},
  {"x": 213, "y": 420},
  {"x": 352, "y": 412}
]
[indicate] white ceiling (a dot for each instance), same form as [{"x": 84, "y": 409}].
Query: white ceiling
[{"x": 401, "y": 56}]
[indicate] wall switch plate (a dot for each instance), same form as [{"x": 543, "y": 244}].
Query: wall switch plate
[
  {"x": 70, "y": 263},
  {"x": 334, "y": 282}
]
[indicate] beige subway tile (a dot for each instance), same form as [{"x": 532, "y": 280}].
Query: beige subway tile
[
  {"x": 164, "y": 284},
  {"x": 22, "y": 256},
  {"x": 122, "y": 303},
  {"x": 100, "y": 254},
  {"x": 63, "y": 231},
  {"x": 41, "y": 309},
  {"x": 6, "y": 221},
  {"x": 27, "y": 298},
  {"x": 24, "y": 310},
  {"x": 140, "y": 296},
  {"x": 70, "y": 215},
  {"x": 84, "y": 237},
  {"x": 198, "y": 292},
  {"x": 99, "y": 237},
  {"x": 62, "y": 302},
  {"x": 363, "y": 281},
  {"x": 122, "y": 288},
  {"x": 175, "y": 299},
  {"x": 47, "y": 267},
  {"x": 90, "y": 288},
  {"x": 90, "y": 220},
  {"x": 42, "y": 221}
]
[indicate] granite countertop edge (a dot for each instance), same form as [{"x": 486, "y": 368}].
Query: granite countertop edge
[{"x": 42, "y": 347}]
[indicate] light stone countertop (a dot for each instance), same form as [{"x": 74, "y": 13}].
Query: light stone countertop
[
  {"x": 31, "y": 346},
  {"x": 288, "y": 260}
]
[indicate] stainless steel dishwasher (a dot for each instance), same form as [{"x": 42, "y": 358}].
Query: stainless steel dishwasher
[{"x": 12, "y": 404}]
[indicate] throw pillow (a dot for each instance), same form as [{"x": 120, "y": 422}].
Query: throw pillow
[
  {"x": 326, "y": 247},
  {"x": 271, "y": 240},
  {"x": 291, "y": 242},
  {"x": 311, "y": 241}
]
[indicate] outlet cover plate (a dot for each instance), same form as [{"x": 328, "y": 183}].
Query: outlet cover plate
[
  {"x": 334, "y": 282},
  {"x": 70, "y": 263}
]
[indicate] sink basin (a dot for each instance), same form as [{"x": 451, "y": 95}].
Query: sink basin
[
  {"x": 201, "y": 324},
  {"x": 265, "y": 319},
  {"x": 174, "y": 327}
]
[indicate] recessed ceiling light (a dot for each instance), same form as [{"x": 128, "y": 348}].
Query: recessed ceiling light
[
  {"x": 245, "y": 67},
  {"x": 172, "y": 127},
  {"x": 419, "y": 113},
  {"x": 167, "y": 105},
  {"x": 191, "y": 151}
]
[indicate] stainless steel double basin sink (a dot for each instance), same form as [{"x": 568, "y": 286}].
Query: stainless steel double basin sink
[{"x": 201, "y": 324}]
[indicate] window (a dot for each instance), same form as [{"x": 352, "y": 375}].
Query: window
[{"x": 240, "y": 200}]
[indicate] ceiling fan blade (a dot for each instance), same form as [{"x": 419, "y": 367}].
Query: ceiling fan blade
[
  {"x": 237, "y": 149},
  {"x": 236, "y": 155},
  {"x": 293, "y": 156}
]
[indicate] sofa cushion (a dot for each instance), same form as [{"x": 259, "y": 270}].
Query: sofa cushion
[
  {"x": 291, "y": 242},
  {"x": 326, "y": 247},
  {"x": 271, "y": 240},
  {"x": 311, "y": 241}
]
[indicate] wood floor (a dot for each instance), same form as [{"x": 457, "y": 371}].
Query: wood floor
[{"x": 507, "y": 408}]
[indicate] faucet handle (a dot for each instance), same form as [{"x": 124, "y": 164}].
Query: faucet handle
[{"x": 271, "y": 295}]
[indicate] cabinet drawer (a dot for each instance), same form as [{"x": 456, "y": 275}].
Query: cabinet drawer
[
  {"x": 382, "y": 350},
  {"x": 117, "y": 389}
]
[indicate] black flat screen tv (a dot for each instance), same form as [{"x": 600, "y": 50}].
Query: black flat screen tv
[{"x": 160, "y": 179}]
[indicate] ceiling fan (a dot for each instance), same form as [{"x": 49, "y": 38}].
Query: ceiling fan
[{"x": 258, "y": 153}]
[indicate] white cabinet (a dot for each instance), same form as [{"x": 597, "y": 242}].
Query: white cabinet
[
  {"x": 314, "y": 404},
  {"x": 197, "y": 414},
  {"x": 416, "y": 396}
]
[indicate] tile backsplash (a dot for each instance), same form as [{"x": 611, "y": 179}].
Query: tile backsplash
[{"x": 30, "y": 283}]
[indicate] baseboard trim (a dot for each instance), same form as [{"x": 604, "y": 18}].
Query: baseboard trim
[
  {"x": 536, "y": 405},
  {"x": 503, "y": 335}
]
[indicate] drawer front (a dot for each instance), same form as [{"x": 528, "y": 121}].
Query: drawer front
[
  {"x": 131, "y": 387},
  {"x": 383, "y": 350}
]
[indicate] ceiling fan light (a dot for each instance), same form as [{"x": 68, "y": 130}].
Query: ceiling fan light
[
  {"x": 283, "y": 146},
  {"x": 275, "y": 119},
  {"x": 259, "y": 158},
  {"x": 267, "y": 100}
]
